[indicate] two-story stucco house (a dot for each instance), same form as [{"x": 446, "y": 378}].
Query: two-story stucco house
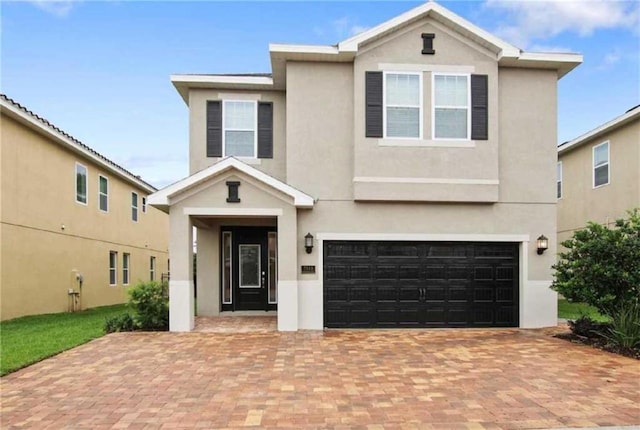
[
  {"x": 75, "y": 228},
  {"x": 397, "y": 179},
  {"x": 599, "y": 174}
]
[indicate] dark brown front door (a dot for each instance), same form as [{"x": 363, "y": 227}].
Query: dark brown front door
[{"x": 251, "y": 268}]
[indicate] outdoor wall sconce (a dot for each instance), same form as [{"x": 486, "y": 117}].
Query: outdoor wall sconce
[
  {"x": 543, "y": 244},
  {"x": 308, "y": 243}
]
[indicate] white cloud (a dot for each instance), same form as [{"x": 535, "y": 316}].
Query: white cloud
[
  {"x": 340, "y": 28},
  {"x": 549, "y": 48},
  {"x": 540, "y": 20},
  {"x": 59, "y": 8}
]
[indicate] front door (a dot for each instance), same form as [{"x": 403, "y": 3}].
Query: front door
[{"x": 252, "y": 268}]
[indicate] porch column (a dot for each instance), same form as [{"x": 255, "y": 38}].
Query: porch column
[
  {"x": 287, "y": 270},
  {"x": 181, "y": 313},
  {"x": 208, "y": 272}
]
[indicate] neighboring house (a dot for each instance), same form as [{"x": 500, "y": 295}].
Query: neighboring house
[
  {"x": 416, "y": 158},
  {"x": 69, "y": 214},
  {"x": 599, "y": 175}
]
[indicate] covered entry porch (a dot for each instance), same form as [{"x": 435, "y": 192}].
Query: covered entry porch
[{"x": 247, "y": 242}]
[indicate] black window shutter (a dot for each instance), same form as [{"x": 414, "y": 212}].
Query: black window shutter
[
  {"x": 265, "y": 130},
  {"x": 479, "y": 107},
  {"x": 373, "y": 101},
  {"x": 214, "y": 128}
]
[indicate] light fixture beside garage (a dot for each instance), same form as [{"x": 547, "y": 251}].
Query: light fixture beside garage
[
  {"x": 543, "y": 244},
  {"x": 308, "y": 243}
]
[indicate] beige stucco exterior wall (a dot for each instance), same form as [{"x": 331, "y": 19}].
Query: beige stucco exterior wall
[
  {"x": 40, "y": 257},
  {"x": 198, "y": 159},
  {"x": 580, "y": 202}
]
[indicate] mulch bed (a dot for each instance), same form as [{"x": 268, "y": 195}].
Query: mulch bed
[{"x": 600, "y": 343}]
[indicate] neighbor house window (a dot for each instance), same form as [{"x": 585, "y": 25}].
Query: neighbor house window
[
  {"x": 559, "y": 180},
  {"x": 125, "y": 268},
  {"x": 103, "y": 194},
  {"x": 601, "y": 164},
  {"x": 451, "y": 113},
  {"x": 239, "y": 125},
  {"x": 403, "y": 105},
  {"x": 81, "y": 184},
  {"x": 134, "y": 206},
  {"x": 144, "y": 205},
  {"x": 113, "y": 267},
  {"x": 152, "y": 268}
]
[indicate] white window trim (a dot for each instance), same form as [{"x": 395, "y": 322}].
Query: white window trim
[
  {"x": 100, "y": 194},
  {"x": 240, "y": 265},
  {"x": 559, "y": 179},
  {"x": 420, "y": 104},
  {"x": 271, "y": 300},
  {"x": 86, "y": 185},
  {"x": 433, "y": 107},
  {"x": 152, "y": 268},
  {"x": 593, "y": 165},
  {"x": 230, "y": 301},
  {"x": 136, "y": 207},
  {"x": 113, "y": 268},
  {"x": 126, "y": 257},
  {"x": 255, "y": 127}
]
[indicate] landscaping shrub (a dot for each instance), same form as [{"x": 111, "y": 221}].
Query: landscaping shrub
[
  {"x": 624, "y": 329},
  {"x": 123, "y": 322},
  {"x": 150, "y": 304},
  {"x": 601, "y": 265},
  {"x": 587, "y": 327}
]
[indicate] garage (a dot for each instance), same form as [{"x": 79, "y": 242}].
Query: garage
[{"x": 384, "y": 284}]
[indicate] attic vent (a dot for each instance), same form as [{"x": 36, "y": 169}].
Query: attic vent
[{"x": 427, "y": 43}]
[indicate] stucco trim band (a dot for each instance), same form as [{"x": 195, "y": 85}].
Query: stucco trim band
[{"x": 217, "y": 211}]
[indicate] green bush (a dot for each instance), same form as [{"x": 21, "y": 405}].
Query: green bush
[
  {"x": 601, "y": 265},
  {"x": 624, "y": 329},
  {"x": 149, "y": 302},
  {"x": 123, "y": 322}
]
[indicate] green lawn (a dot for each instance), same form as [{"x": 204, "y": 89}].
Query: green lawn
[
  {"x": 574, "y": 311},
  {"x": 27, "y": 340}
]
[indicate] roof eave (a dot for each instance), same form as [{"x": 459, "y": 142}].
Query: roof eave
[{"x": 183, "y": 83}]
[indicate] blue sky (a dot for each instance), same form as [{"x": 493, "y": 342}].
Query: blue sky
[{"x": 100, "y": 69}]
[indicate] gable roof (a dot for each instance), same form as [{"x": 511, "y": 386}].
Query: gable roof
[
  {"x": 161, "y": 198},
  {"x": 40, "y": 125},
  {"x": 345, "y": 51},
  {"x": 632, "y": 114}
]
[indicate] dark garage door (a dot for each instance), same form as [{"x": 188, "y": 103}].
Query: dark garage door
[{"x": 420, "y": 284}]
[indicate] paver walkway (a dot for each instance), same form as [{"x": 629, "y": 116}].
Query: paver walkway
[{"x": 448, "y": 379}]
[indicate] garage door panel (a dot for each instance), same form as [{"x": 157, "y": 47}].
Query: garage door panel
[{"x": 420, "y": 284}]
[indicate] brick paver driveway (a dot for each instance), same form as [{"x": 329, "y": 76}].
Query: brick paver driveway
[{"x": 468, "y": 379}]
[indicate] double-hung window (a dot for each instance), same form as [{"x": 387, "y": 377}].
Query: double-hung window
[
  {"x": 403, "y": 105},
  {"x": 81, "y": 184},
  {"x": 451, "y": 100},
  {"x": 601, "y": 164},
  {"x": 134, "y": 206},
  {"x": 239, "y": 125},
  {"x": 113, "y": 267},
  {"x": 103, "y": 193},
  {"x": 559, "y": 180},
  {"x": 125, "y": 268}
]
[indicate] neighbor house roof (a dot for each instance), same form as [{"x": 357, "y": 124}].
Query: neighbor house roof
[
  {"x": 345, "y": 51},
  {"x": 632, "y": 114},
  {"x": 40, "y": 125},
  {"x": 161, "y": 198}
]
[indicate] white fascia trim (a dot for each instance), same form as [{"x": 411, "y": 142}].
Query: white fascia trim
[
  {"x": 604, "y": 128},
  {"x": 161, "y": 198},
  {"x": 425, "y": 237},
  {"x": 36, "y": 124},
  {"x": 303, "y": 49},
  {"x": 233, "y": 212},
  {"x": 397, "y": 180},
  {"x": 353, "y": 43},
  {"x": 207, "y": 79},
  {"x": 559, "y": 57}
]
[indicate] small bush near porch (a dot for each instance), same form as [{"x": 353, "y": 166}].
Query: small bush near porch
[{"x": 30, "y": 339}]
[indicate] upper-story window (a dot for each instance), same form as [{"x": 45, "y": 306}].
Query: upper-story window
[
  {"x": 239, "y": 123},
  {"x": 601, "y": 164},
  {"x": 103, "y": 193},
  {"x": 451, "y": 113},
  {"x": 403, "y": 105},
  {"x": 81, "y": 184},
  {"x": 134, "y": 206},
  {"x": 559, "y": 180}
]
